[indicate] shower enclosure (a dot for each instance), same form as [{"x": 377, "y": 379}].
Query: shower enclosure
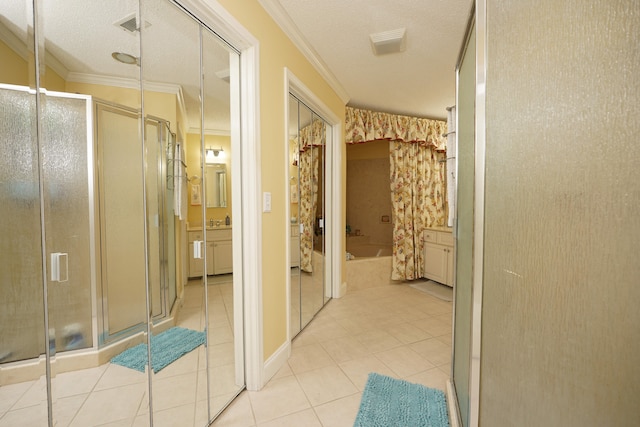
[{"x": 74, "y": 203}]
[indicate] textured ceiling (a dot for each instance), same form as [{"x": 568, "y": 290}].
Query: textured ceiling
[
  {"x": 80, "y": 35},
  {"x": 419, "y": 81}
]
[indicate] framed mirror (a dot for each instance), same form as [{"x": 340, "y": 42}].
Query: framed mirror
[{"x": 216, "y": 185}]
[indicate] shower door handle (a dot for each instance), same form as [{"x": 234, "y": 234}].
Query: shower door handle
[{"x": 59, "y": 267}]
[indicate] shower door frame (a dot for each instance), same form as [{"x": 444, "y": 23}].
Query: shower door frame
[{"x": 102, "y": 309}]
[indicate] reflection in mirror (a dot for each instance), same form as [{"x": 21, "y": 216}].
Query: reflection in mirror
[
  {"x": 308, "y": 293},
  {"x": 294, "y": 200},
  {"x": 225, "y": 363},
  {"x": 103, "y": 227},
  {"x": 216, "y": 185},
  {"x": 170, "y": 51},
  {"x": 23, "y": 335}
]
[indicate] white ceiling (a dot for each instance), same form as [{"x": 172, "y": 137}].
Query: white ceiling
[
  {"x": 80, "y": 37},
  {"x": 333, "y": 34},
  {"x": 419, "y": 81}
]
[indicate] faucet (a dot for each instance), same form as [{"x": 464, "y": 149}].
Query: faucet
[{"x": 210, "y": 222}]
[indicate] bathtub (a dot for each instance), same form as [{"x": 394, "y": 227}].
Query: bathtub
[
  {"x": 369, "y": 250},
  {"x": 369, "y": 267}
]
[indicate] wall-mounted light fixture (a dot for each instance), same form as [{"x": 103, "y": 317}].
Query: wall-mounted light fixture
[{"x": 213, "y": 155}]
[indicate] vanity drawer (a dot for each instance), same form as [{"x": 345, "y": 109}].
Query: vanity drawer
[
  {"x": 430, "y": 236},
  {"x": 217, "y": 235},
  {"x": 445, "y": 239},
  {"x": 195, "y": 235}
]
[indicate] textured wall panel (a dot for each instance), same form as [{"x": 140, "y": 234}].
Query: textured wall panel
[{"x": 561, "y": 323}]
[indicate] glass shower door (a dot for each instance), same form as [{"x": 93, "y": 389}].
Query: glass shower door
[
  {"x": 22, "y": 336},
  {"x": 464, "y": 227}
]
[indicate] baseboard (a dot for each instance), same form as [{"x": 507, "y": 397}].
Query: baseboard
[
  {"x": 276, "y": 361},
  {"x": 452, "y": 405}
]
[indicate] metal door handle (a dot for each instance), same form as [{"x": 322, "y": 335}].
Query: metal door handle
[{"x": 59, "y": 267}]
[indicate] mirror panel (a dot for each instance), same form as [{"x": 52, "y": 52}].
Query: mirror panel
[
  {"x": 225, "y": 332},
  {"x": 23, "y": 338},
  {"x": 106, "y": 153},
  {"x": 170, "y": 77},
  {"x": 294, "y": 200},
  {"x": 309, "y": 285},
  {"x": 100, "y": 225}
]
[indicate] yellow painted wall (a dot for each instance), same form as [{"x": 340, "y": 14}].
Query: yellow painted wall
[
  {"x": 193, "y": 168},
  {"x": 15, "y": 71},
  {"x": 276, "y": 53}
]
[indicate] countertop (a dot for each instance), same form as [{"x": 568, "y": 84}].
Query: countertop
[
  {"x": 220, "y": 227},
  {"x": 441, "y": 228}
]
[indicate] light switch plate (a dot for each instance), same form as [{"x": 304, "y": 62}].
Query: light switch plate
[{"x": 266, "y": 202}]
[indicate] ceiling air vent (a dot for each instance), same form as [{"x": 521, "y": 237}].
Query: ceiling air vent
[
  {"x": 388, "y": 41},
  {"x": 129, "y": 23}
]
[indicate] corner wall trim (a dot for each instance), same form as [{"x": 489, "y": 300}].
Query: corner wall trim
[{"x": 276, "y": 361}]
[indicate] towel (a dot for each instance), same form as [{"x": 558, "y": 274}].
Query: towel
[
  {"x": 179, "y": 183},
  {"x": 451, "y": 164}
]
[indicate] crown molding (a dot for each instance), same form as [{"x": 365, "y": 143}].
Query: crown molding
[
  {"x": 284, "y": 21},
  {"x": 212, "y": 132}
]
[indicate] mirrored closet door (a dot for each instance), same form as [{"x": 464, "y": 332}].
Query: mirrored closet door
[
  {"x": 107, "y": 111},
  {"x": 308, "y": 142}
]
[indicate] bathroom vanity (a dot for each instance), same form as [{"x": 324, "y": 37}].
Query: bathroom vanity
[
  {"x": 219, "y": 251},
  {"x": 437, "y": 255}
]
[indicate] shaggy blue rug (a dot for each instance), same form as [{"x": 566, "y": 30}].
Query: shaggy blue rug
[
  {"x": 389, "y": 402},
  {"x": 166, "y": 348}
]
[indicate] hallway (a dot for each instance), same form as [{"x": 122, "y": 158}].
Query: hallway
[{"x": 393, "y": 330}]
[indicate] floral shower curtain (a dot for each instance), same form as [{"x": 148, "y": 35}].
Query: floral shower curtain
[
  {"x": 311, "y": 138},
  {"x": 418, "y": 196}
]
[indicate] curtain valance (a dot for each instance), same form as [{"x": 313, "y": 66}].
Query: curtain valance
[
  {"x": 313, "y": 135},
  {"x": 364, "y": 125}
]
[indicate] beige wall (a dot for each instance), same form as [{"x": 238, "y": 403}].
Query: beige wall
[
  {"x": 276, "y": 53},
  {"x": 560, "y": 316},
  {"x": 369, "y": 191}
]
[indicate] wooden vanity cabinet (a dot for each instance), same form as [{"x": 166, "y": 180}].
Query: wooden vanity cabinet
[
  {"x": 219, "y": 252},
  {"x": 437, "y": 256}
]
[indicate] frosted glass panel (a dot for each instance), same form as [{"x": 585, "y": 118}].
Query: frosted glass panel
[
  {"x": 464, "y": 235},
  {"x": 560, "y": 322},
  {"x": 64, "y": 154},
  {"x": 21, "y": 295},
  {"x": 121, "y": 219}
]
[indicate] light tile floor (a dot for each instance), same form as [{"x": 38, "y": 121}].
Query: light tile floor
[
  {"x": 394, "y": 330},
  {"x": 114, "y": 396}
]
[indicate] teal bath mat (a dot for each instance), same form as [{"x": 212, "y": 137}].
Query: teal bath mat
[
  {"x": 389, "y": 402},
  {"x": 166, "y": 348}
]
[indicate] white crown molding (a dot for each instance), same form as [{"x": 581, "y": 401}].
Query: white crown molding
[
  {"x": 214, "y": 132},
  {"x": 125, "y": 82},
  {"x": 284, "y": 21}
]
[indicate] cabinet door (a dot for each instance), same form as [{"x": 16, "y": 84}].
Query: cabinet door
[
  {"x": 435, "y": 262},
  {"x": 450, "y": 258},
  {"x": 223, "y": 257},
  {"x": 195, "y": 265},
  {"x": 211, "y": 258},
  {"x": 295, "y": 251}
]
